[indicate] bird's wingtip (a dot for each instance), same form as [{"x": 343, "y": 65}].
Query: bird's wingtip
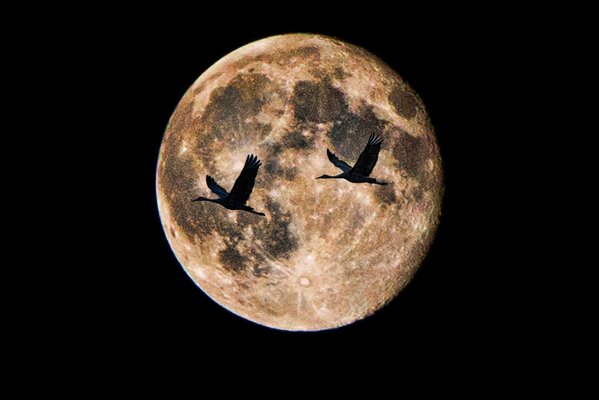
[
  {"x": 375, "y": 139},
  {"x": 252, "y": 161}
]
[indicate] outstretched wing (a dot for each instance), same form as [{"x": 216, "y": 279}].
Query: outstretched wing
[
  {"x": 369, "y": 156},
  {"x": 245, "y": 181},
  {"x": 215, "y": 187},
  {"x": 342, "y": 165}
]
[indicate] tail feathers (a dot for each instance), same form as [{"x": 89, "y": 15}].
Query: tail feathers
[
  {"x": 250, "y": 209},
  {"x": 374, "y": 181}
]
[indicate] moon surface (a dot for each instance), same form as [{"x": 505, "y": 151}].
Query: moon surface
[{"x": 328, "y": 252}]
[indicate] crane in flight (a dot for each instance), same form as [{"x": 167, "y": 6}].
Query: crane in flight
[
  {"x": 360, "y": 172},
  {"x": 241, "y": 191}
]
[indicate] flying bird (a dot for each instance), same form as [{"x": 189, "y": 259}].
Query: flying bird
[
  {"x": 363, "y": 167},
  {"x": 242, "y": 189}
]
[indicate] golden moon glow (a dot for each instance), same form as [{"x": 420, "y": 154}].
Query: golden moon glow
[{"x": 328, "y": 252}]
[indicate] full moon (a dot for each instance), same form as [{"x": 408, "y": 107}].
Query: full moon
[{"x": 328, "y": 252}]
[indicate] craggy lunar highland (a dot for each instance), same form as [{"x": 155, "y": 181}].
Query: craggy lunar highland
[{"x": 328, "y": 252}]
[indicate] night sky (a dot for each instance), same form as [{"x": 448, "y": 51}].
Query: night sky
[{"x": 476, "y": 71}]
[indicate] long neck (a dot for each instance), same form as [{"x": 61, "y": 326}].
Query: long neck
[
  {"x": 201, "y": 198},
  {"x": 331, "y": 177}
]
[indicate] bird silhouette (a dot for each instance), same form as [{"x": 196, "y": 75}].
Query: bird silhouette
[
  {"x": 242, "y": 189},
  {"x": 363, "y": 167}
]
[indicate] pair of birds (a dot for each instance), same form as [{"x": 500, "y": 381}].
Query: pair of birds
[{"x": 242, "y": 189}]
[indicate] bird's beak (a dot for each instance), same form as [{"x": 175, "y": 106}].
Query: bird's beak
[
  {"x": 319, "y": 177},
  {"x": 198, "y": 199}
]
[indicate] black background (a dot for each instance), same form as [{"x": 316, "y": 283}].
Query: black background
[{"x": 477, "y": 71}]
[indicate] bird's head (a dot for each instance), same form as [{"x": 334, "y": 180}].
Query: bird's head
[{"x": 201, "y": 198}]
